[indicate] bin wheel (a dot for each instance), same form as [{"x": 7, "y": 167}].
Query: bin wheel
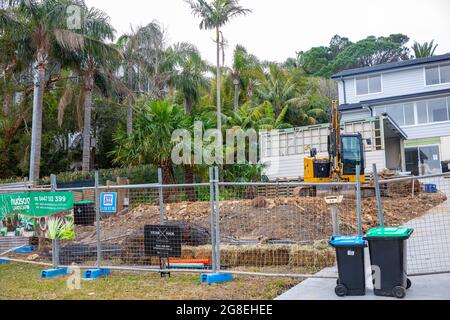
[
  {"x": 341, "y": 290},
  {"x": 399, "y": 292},
  {"x": 408, "y": 284}
]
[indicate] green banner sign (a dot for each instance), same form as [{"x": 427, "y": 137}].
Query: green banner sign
[{"x": 35, "y": 204}]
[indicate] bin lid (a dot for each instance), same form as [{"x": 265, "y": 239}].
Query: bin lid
[
  {"x": 383, "y": 232},
  {"x": 343, "y": 241}
]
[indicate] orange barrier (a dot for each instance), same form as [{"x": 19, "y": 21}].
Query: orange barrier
[{"x": 189, "y": 261}]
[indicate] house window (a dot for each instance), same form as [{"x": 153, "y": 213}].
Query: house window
[
  {"x": 437, "y": 75},
  {"x": 432, "y": 75},
  {"x": 415, "y": 113},
  {"x": 410, "y": 118},
  {"x": 422, "y": 113},
  {"x": 368, "y": 85},
  {"x": 437, "y": 111},
  {"x": 445, "y": 73},
  {"x": 396, "y": 112}
]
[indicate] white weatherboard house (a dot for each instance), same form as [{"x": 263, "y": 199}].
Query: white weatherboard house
[
  {"x": 416, "y": 95},
  {"x": 402, "y": 110}
]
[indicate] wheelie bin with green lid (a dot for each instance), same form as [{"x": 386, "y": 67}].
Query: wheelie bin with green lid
[
  {"x": 388, "y": 254},
  {"x": 350, "y": 261}
]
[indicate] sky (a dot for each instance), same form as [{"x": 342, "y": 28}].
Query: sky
[{"x": 276, "y": 30}]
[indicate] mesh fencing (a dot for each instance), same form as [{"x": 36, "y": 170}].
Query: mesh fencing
[
  {"x": 124, "y": 233},
  {"x": 249, "y": 228},
  {"x": 281, "y": 228},
  {"x": 422, "y": 204}
]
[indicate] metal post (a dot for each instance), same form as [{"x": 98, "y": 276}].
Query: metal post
[
  {"x": 161, "y": 197},
  {"x": 97, "y": 214},
  {"x": 55, "y": 242},
  {"x": 358, "y": 200},
  {"x": 378, "y": 194},
  {"x": 213, "y": 214},
  {"x": 335, "y": 217},
  {"x": 217, "y": 219}
]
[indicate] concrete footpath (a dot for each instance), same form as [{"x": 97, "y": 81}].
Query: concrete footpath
[{"x": 434, "y": 287}]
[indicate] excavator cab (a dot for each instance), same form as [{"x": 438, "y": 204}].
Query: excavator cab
[{"x": 352, "y": 154}]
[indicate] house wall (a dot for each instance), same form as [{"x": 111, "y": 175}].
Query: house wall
[
  {"x": 428, "y": 130},
  {"x": 356, "y": 115},
  {"x": 394, "y": 83},
  {"x": 445, "y": 148},
  {"x": 286, "y": 160},
  {"x": 393, "y": 154}
]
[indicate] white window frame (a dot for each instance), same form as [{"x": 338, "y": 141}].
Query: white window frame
[
  {"x": 368, "y": 85},
  {"x": 416, "y": 113},
  {"x": 439, "y": 74}
]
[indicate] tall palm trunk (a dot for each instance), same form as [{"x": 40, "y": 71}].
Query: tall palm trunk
[
  {"x": 36, "y": 131},
  {"x": 189, "y": 179},
  {"x": 8, "y": 95},
  {"x": 130, "y": 100},
  {"x": 219, "y": 111},
  {"x": 236, "y": 97},
  {"x": 88, "y": 86},
  {"x": 188, "y": 106},
  {"x": 7, "y": 101},
  {"x": 168, "y": 179},
  {"x": 189, "y": 169}
]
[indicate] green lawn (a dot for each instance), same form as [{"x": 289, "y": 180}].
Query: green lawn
[{"x": 23, "y": 282}]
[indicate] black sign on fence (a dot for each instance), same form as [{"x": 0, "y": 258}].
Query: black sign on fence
[{"x": 162, "y": 241}]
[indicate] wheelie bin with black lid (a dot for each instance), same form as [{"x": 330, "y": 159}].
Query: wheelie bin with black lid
[
  {"x": 388, "y": 254},
  {"x": 350, "y": 261}
]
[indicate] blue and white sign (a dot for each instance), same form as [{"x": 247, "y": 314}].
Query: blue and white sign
[{"x": 108, "y": 202}]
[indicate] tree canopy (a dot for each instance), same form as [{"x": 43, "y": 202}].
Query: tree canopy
[{"x": 107, "y": 103}]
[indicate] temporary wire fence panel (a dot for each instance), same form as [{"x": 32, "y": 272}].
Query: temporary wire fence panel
[
  {"x": 83, "y": 249},
  {"x": 276, "y": 229},
  {"x": 122, "y": 233},
  {"x": 422, "y": 204},
  {"x": 284, "y": 234}
]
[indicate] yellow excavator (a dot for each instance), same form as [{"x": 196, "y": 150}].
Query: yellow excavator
[{"x": 346, "y": 152}]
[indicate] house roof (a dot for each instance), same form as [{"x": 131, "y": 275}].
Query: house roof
[
  {"x": 374, "y": 102},
  {"x": 391, "y": 66}
]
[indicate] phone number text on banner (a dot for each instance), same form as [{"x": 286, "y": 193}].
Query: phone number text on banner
[{"x": 35, "y": 204}]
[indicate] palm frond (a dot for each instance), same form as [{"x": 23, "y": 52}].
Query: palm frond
[{"x": 65, "y": 100}]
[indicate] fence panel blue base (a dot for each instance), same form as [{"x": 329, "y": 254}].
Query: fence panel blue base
[
  {"x": 3, "y": 261},
  {"x": 96, "y": 273},
  {"x": 216, "y": 278},
  {"x": 53, "y": 273}
]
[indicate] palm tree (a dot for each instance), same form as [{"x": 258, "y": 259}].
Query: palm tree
[
  {"x": 278, "y": 89},
  {"x": 151, "y": 140},
  {"x": 155, "y": 61},
  {"x": 245, "y": 68},
  {"x": 424, "y": 50},
  {"x": 92, "y": 58},
  {"x": 259, "y": 117},
  {"x": 136, "y": 48},
  {"x": 189, "y": 75},
  {"x": 215, "y": 15},
  {"x": 41, "y": 19}
]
